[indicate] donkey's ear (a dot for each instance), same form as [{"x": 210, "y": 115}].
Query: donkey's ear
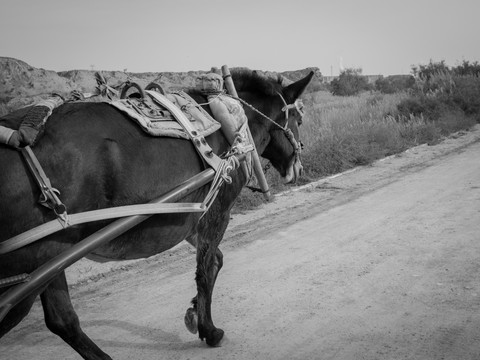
[{"x": 295, "y": 90}]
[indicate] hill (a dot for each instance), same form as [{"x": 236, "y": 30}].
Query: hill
[{"x": 22, "y": 84}]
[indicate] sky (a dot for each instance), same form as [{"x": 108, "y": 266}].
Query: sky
[{"x": 378, "y": 36}]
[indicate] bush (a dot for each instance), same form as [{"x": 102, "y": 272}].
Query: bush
[
  {"x": 467, "y": 68},
  {"x": 340, "y": 132},
  {"x": 394, "y": 83},
  {"x": 349, "y": 83},
  {"x": 317, "y": 86},
  {"x": 430, "y": 70},
  {"x": 428, "y": 107},
  {"x": 466, "y": 95},
  {"x": 441, "y": 91}
]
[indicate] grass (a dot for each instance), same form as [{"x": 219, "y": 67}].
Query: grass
[{"x": 343, "y": 132}]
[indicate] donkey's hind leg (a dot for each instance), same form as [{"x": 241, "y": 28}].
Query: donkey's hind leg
[{"x": 62, "y": 320}]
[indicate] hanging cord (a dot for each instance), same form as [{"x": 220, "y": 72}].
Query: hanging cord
[
  {"x": 211, "y": 97},
  {"x": 228, "y": 164},
  {"x": 222, "y": 175},
  {"x": 256, "y": 110},
  {"x": 287, "y": 131}
]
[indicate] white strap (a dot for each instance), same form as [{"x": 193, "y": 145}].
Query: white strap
[{"x": 53, "y": 226}]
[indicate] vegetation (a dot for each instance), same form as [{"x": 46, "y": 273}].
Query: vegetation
[
  {"x": 441, "y": 92},
  {"x": 350, "y": 82},
  {"x": 394, "y": 83},
  {"x": 341, "y": 132}
]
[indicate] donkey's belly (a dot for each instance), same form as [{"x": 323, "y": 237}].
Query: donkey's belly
[{"x": 155, "y": 235}]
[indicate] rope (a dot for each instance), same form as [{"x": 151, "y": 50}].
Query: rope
[
  {"x": 222, "y": 175},
  {"x": 288, "y": 132},
  {"x": 211, "y": 97},
  {"x": 256, "y": 110}
]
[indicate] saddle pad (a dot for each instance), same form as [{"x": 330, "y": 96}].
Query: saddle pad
[{"x": 159, "y": 121}]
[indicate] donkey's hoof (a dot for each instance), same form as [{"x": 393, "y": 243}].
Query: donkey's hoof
[
  {"x": 215, "y": 338},
  {"x": 191, "y": 320}
]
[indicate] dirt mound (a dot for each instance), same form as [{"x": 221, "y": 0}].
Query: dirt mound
[{"x": 23, "y": 84}]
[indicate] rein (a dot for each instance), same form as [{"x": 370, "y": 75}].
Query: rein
[{"x": 288, "y": 133}]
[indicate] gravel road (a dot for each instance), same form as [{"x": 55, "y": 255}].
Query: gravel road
[{"x": 378, "y": 263}]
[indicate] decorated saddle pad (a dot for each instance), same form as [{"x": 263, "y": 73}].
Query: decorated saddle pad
[{"x": 156, "y": 120}]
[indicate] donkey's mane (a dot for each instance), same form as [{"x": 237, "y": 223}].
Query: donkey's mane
[{"x": 253, "y": 81}]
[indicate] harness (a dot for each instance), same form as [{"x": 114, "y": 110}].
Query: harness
[
  {"x": 222, "y": 167},
  {"x": 217, "y": 174},
  {"x": 49, "y": 197},
  {"x": 297, "y": 105}
]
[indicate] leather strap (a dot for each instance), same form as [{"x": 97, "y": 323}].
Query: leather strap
[{"x": 49, "y": 196}]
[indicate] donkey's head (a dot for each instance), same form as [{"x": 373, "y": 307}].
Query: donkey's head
[{"x": 275, "y": 119}]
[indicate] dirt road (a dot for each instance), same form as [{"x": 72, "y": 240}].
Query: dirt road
[{"x": 379, "y": 263}]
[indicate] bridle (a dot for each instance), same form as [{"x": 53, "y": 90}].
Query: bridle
[{"x": 298, "y": 105}]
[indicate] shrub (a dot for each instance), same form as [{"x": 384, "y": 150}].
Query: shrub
[
  {"x": 394, "y": 83},
  {"x": 467, "y": 68},
  {"x": 429, "y": 107},
  {"x": 440, "y": 90},
  {"x": 384, "y": 86},
  {"x": 340, "y": 132},
  {"x": 429, "y": 70},
  {"x": 349, "y": 83},
  {"x": 317, "y": 86},
  {"x": 466, "y": 95}
]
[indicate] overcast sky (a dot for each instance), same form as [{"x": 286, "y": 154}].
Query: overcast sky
[{"x": 380, "y": 36}]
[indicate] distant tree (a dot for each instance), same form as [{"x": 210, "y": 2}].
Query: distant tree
[
  {"x": 431, "y": 69},
  {"x": 467, "y": 68},
  {"x": 385, "y": 86},
  {"x": 350, "y": 82},
  {"x": 394, "y": 83}
]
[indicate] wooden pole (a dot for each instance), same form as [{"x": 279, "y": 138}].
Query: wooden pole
[
  {"x": 52, "y": 268},
  {"x": 257, "y": 166},
  {"x": 45, "y": 273}
]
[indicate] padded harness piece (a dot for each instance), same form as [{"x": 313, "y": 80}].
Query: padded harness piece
[
  {"x": 199, "y": 141},
  {"x": 156, "y": 117}
]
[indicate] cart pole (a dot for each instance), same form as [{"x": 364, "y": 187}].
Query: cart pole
[
  {"x": 50, "y": 269},
  {"x": 257, "y": 166}
]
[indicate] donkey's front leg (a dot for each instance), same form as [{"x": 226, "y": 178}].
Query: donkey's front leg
[
  {"x": 191, "y": 316},
  {"x": 209, "y": 263}
]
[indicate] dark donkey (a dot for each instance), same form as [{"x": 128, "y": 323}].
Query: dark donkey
[{"x": 98, "y": 159}]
